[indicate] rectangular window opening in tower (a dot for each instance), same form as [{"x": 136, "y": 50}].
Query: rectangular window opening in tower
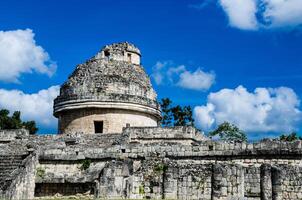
[
  {"x": 129, "y": 57},
  {"x": 98, "y": 126},
  {"x": 106, "y": 53}
]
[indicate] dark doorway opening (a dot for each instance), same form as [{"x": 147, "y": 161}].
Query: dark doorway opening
[
  {"x": 98, "y": 126},
  {"x": 107, "y": 54},
  {"x": 64, "y": 189},
  {"x": 129, "y": 57}
]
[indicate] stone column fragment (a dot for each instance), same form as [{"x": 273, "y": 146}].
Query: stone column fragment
[
  {"x": 265, "y": 182},
  {"x": 276, "y": 183}
]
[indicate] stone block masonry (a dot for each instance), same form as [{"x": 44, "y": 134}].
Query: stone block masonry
[
  {"x": 111, "y": 88},
  {"x": 151, "y": 162},
  {"x": 17, "y": 175}
]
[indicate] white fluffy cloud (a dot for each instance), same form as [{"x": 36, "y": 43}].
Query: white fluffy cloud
[
  {"x": 19, "y": 54},
  {"x": 157, "y": 73},
  {"x": 198, "y": 80},
  {"x": 166, "y": 73},
  {"x": 265, "y": 109},
  {"x": 252, "y": 14},
  {"x": 37, "y": 106},
  {"x": 241, "y": 13},
  {"x": 279, "y": 13}
]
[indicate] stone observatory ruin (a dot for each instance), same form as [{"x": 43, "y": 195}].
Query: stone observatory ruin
[
  {"x": 112, "y": 147},
  {"x": 107, "y": 92}
]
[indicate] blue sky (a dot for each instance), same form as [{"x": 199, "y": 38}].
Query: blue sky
[{"x": 241, "y": 50}]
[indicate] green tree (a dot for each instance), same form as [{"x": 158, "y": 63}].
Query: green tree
[
  {"x": 229, "y": 132},
  {"x": 15, "y": 122},
  {"x": 167, "y": 117},
  {"x": 289, "y": 137},
  {"x": 189, "y": 115},
  {"x": 4, "y": 119},
  {"x": 182, "y": 116},
  {"x": 31, "y": 127},
  {"x": 177, "y": 115}
]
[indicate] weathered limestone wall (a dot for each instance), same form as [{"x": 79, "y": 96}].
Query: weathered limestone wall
[
  {"x": 155, "y": 178},
  {"x": 133, "y": 58},
  {"x": 51, "y": 190},
  {"x": 156, "y": 163},
  {"x": 179, "y": 163},
  {"x": 150, "y": 135},
  {"x": 126, "y": 56},
  {"x": 68, "y": 172},
  {"x": 9, "y": 135},
  {"x": 113, "y": 80},
  {"x": 22, "y": 185},
  {"x": 82, "y": 120},
  {"x": 121, "y": 52}
]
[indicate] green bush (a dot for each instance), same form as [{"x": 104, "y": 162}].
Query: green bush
[
  {"x": 40, "y": 172},
  {"x": 141, "y": 189},
  {"x": 85, "y": 164},
  {"x": 160, "y": 168}
]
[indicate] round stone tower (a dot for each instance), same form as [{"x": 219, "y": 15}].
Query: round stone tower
[{"x": 107, "y": 93}]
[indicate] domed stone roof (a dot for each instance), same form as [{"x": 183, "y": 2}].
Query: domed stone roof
[{"x": 111, "y": 78}]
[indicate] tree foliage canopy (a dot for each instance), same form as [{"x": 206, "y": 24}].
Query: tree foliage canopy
[
  {"x": 166, "y": 112},
  {"x": 177, "y": 115},
  {"x": 229, "y": 132},
  {"x": 289, "y": 137},
  {"x": 15, "y": 122}
]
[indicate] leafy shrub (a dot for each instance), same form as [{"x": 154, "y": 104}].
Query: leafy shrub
[
  {"x": 160, "y": 168},
  {"x": 40, "y": 172},
  {"x": 85, "y": 164},
  {"x": 141, "y": 189}
]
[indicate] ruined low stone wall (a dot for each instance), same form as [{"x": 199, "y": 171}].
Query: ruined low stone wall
[
  {"x": 175, "y": 163},
  {"x": 169, "y": 163},
  {"x": 22, "y": 185},
  {"x": 185, "y": 135},
  {"x": 9, "y": 135},
  {"x": 163, "y": 178},
  {"x": 68, "y": 189}
]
